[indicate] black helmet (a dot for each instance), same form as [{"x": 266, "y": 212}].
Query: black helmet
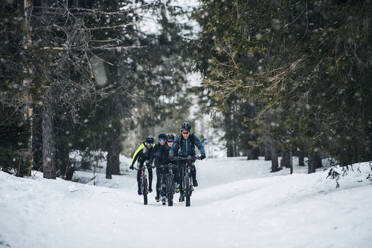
[
  {"x": 150, "y": 139},
  {"x": 170, "y": 136},
  {"x": 162, "y": 136},
  {"x": 186, "y": 126}
]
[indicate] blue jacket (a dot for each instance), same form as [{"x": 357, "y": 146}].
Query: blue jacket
[{"x": 183, "y": 148}]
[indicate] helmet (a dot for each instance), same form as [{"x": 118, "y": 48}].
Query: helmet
[
  {"x": 170, "y": 136},
  {"x": 150, "y": 139},
  {"x": 162, "y": 136},
  {"x": 186, "y": 126}
]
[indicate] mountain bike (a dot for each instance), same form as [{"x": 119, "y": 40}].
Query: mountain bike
[
  {"x": 144, "y": 183},
  {"x": 186, "y": 178},
  {"x": 167, "y": 187}
]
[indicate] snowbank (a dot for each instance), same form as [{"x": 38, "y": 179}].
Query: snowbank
[{"x": 238, "y": 204}]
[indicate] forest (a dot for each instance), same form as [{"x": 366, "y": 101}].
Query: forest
[
  {"x": 278, "y": 78},
  {"x": 187, "y": 123}
]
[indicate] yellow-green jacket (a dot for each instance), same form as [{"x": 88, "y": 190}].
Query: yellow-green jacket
[{"x": 142, "y": 154}]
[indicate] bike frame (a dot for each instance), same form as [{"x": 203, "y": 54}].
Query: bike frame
[{"x": 186, "y": 182}]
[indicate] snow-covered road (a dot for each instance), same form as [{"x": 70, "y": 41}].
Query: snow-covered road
[{"x": 238, "y": 204}]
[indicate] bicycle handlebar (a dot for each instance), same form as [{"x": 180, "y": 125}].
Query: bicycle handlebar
[
  {"x": 188, "y": 158},
  {"x": 145, "y": 166},
  {"x": 167, "y": 165}
]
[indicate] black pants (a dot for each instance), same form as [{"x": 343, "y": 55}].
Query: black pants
[
  {"x": 176, "y": 171},
  {"x": 159, "y": 173},
  {"x": 149, "y": 169}
]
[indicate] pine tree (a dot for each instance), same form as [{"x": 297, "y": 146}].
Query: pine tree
[{"x": 306, "y": 60}]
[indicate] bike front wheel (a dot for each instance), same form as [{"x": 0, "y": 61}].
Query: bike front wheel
[
  {"x": 145, "y": 191},
  {"x": 188, "y": 191},
  {"x": 170, "y": 190}
]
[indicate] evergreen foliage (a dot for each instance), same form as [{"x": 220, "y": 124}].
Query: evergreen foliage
[
  {"x": 14, "y": 125},
  {"x": 307, "y": 62},
  {"x": 90, "y": 73}
]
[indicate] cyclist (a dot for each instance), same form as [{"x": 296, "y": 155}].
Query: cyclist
[
  {"x": 170, "y": 142},
  {"x": 144, "y": 153},
  {"x": 184, "y": 145},
  {"x": 161, "y": 157},
  {"x": 170, "y": 139}
]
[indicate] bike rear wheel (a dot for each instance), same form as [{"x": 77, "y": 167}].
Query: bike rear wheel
[{"x": 188, "y": 201}]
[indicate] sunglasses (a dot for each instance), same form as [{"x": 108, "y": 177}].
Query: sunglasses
[
  {"x": 170, "y": 141},
  {"x": 185, "y": 132},
  {"x": 148, "y": 144},
  {"x": 162, "y": 140}
]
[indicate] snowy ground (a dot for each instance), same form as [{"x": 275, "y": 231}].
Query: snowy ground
[{"x": 238, "y": 204}]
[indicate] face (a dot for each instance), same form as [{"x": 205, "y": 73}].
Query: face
[
  {"x": 161, "y": 142},
  {"x": 170, "y": 143},
  {"x": 185, "y": 134}
]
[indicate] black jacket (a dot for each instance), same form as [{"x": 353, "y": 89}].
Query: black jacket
[{"x": 161, "y": 154}]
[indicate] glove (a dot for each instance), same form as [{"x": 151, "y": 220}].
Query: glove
[
  {"x": 131, "y": 167},
  {"x": 191, "y": 158},
  {"x": 202, "y": 156}
]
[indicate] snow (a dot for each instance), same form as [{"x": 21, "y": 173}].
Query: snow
[{"x": 238, "y": 204}]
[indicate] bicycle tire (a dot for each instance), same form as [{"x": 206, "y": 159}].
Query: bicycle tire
[
  {"x": 170, "y": 202},
  {"x": 170, "y": 190},
  {"x": 145, "y": 200},
  {"x": 188, "y": 201},
  {"x": 163, "y": 186},
  {"x": 187, "y": 190}
]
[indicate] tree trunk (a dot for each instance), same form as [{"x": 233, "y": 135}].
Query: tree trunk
[
  {"x": 108, "y": 171},
  {"x": 69, "y": 172},
  {"x": 285, "y": 162},
  {"x": 113, "y": 155},
  {"x": 253, "y": 153},
  {"x": 274, "y": 158},
  {"x": 291, "y": 161},
  {"x": 37, "y": 141},
  {"x": 49, "y": 145},
  {"x": 235, "y": 148},
  {"x": 314, "y": 162},
  {"x": 267, "y": 151},
  {"x": 63, "y": 159},
  {"x": 318, "y": 162},
  {"x": 230, "y": 150},
  {"x": 28, "y": 156},
  {"x": 114, "y": 148},
  {"x": 228, "y": 134},
  {"x": 301, "y": 158}
]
